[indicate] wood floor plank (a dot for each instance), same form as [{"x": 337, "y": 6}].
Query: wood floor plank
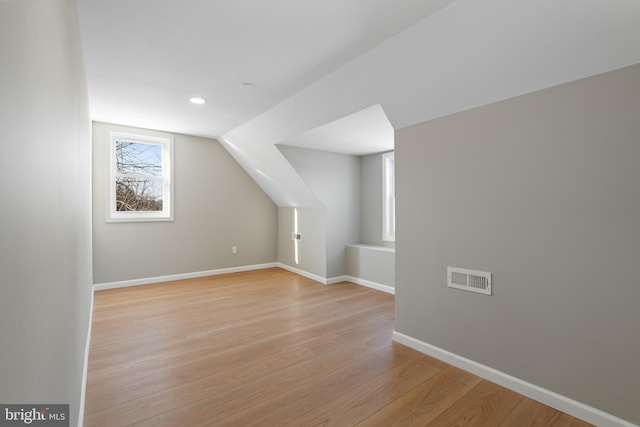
[
  {"x": 487, "y": 404},
  {"x": 227, "y": 337},
  {"x": 269, "y": 348},
  {"x": 529, "y": 413},
  {"x": 212, "y": 409},
  {"x": 221, "y": 332},
  {"x": 194, "y": 379},
  {"x": 426, "y": 401},
  {"x": 235, "y": 362},
  {"x": 174, "y": 396},
  {"x": 358, "y": 403},
  {"x": 279, "y": 410}
]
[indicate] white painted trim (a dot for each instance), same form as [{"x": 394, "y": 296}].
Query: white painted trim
[
  {"x": 306, "y": 274},
  {"x": 368, "y": 283},
  {"x": 166, "y": 142},
  {"x": 547, "y": 397},
  {"x": 373, "y": 247},
  {"x": 85, "y": 367},
  {"x": 146, "y": 281},
  {"x": 338, "y": 279},
  {"x": 388, "y": 191}
]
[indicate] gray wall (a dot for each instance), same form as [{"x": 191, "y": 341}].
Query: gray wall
[
  {"x": 543, "y": 191},
  {"x": 372, "y": 263},
  {"x": 45, "y": 228},
  {"x": 371, "y": 201},
  {"x": 312, "y": 248},
  {"x": 335, "y": 180},
  {"x": 217, "y": 206}
]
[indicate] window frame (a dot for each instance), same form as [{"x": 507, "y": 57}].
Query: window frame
[
  {"x": 388, "y": 197},
  {"x": 166, "y": 146}
]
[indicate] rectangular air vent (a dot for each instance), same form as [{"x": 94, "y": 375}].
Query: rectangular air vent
[{"x": 469, "y": 280}]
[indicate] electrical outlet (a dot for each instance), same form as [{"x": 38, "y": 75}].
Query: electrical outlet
[{"x": 234, "y": 250}]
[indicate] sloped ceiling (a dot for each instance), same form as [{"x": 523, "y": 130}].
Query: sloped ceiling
[
  {"x": 146, "y": 58},
  {"x": 358, "y": 134},
  {"x": 465, "y": 54}
]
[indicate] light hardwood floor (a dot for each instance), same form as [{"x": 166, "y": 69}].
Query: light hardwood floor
[{"x": 269, "y": 348}]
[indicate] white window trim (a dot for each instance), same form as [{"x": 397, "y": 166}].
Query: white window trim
[
  {"x": 388, "y": 197},
  {"x": 112, "y": 215}
]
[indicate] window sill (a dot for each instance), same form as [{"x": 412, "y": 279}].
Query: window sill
[{"x": 373, "y": 248}]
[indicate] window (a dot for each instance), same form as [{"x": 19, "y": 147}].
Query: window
[
  {"x": 388, "y": 198},
  {"x": 140, "y": 179}
]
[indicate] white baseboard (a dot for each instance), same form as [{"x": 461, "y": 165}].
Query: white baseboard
[
  {"x": 85, "y": 368},
  {"x": 146, "y": 281},
  {"x": 338, "y": 279},
  {"x": 368, "y": 283},
  {"x": 312, "y": 276},
  {"x": 547, "y": 397},
  {"x": 306, "y": 274}
]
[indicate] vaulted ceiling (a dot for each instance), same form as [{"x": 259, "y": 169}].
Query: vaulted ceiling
[
  {"x": 320, "y": 67},
  {"x": 146, "y": 58}
]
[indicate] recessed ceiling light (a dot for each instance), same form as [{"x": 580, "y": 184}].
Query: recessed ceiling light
[
  {"x": 196, "y": 100},
  {"x": 247, "y": 85}
]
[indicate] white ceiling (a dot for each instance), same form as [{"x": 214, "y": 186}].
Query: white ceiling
[
  {"x": 363, "y": 132},
  {"x": 322, "y": 67},
  {"x": 146, "y": 58}
]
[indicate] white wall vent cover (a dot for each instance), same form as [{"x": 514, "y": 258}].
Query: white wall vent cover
[{"x": 469, "y": 280}]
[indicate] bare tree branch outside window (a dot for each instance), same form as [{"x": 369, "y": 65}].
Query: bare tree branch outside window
[{"x": 139, "y": 181}]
